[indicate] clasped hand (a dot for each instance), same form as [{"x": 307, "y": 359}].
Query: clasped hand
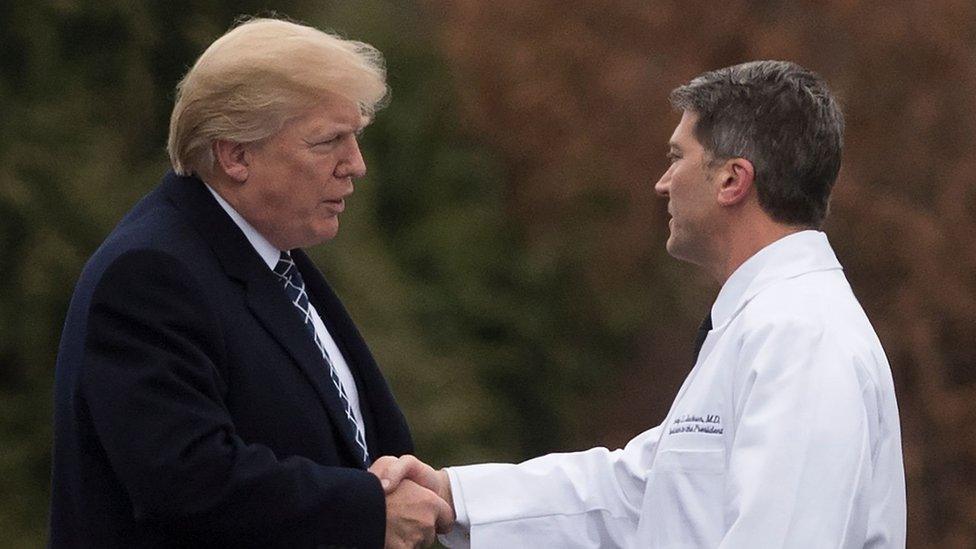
[{"x": 418, "y": 501}]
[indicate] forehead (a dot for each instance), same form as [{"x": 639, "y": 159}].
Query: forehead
[
  {"x": 684, "y": 133},
  {"x": 330, "y": 116}
]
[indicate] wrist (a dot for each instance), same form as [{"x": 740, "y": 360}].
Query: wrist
[{"x": 444, "y": 488}]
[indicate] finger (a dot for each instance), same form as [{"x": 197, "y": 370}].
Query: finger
[
  {"x": 380, "y": 467},
  {"x": 382, "y": 464},
  {"x": 400, "y": 469}
]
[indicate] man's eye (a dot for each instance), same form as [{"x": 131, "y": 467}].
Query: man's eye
[
  {"x": 322, "y": 142},
  {"x": 672, "y": 157}
]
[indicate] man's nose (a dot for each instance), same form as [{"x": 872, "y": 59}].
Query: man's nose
[
  {"x": 353, "y": 164},
  {"x": 663, "y": 185}
]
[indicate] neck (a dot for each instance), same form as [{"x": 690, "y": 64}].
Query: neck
[
  {"x": 744, "y": 239},
  {"x": 221, "y": 185}
]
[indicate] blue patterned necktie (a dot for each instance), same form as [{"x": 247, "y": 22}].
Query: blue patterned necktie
[{"x": 294, "y": 286}]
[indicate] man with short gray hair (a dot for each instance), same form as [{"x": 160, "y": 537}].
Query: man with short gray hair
[{"x": 785, "y": 432}]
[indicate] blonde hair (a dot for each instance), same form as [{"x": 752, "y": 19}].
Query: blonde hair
[{"x": 260, "y": 74}]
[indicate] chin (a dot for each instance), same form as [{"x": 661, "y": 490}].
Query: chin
[
  {"x": 671, "y": 246},
  {"x": 312, "y": 238},
  {"x": 676, "y": 249},
  {"x": 325, "y": 233}
]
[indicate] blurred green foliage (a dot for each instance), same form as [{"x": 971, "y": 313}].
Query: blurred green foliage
[{"x": 486, "y": 345}]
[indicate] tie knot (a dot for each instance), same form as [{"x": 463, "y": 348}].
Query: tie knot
[
  {"x": 291, "y": 279},
  {"x": 286, "y": 266},
  {"x": 706, "y": 323},
  {"x": 703, "y": 329}
]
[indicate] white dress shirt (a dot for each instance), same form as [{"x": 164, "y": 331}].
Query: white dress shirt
[
  {"x": 784, "y": 434},
  {"x": 271, "y": 255}
]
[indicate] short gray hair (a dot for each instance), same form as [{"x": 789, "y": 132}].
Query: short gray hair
[
  {"x": 260, "y": 74},
  {"x": 783, "y": 119}
]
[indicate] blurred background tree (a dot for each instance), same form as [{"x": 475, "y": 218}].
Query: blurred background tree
[{"x": 504, "y": 257}]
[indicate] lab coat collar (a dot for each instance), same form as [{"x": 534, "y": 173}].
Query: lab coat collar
[{"x": 791, "y": 256}]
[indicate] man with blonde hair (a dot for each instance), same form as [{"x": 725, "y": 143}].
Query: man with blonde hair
[{"x": 211, "y": 390}]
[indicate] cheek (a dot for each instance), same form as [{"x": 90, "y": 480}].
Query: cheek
[
  {"x": 286, "y": 203},
  {"x": 677, "y": 186},
  {"x": 319, "y": 165},
  {"x": 273, "y": 198},
  {"x": 684, "y": 186},
  {"x": 304, "y": 187}
]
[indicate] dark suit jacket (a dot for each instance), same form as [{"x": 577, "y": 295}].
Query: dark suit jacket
[{"x": 191, "y": 406}]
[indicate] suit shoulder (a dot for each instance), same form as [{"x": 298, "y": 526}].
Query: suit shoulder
[
  {"x": 154, "y": 231},
  {"x": 153, "y": 223}
]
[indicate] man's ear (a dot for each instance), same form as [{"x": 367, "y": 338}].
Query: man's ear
[
  {"x": 233, "y": 158},
  {"x": 738, "y": 175}
]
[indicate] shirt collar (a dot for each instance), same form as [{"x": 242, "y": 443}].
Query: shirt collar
[
  {"x": 265, "y": 249},
  {"x": 790, "y": 256}
]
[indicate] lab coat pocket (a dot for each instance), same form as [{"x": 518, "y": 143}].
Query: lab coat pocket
[
  {"x": 680, "y": 459},
  {"x": 686, "y": 497}
]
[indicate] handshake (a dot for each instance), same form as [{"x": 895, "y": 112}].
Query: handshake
[{"x": 419, "y": 503}]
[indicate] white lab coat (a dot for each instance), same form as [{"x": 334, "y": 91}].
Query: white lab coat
[{"x": 784, "y": 434}]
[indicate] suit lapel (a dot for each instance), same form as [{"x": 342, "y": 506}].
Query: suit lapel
[
  {"x": 348, "y": 340},
  {"x": 264, "y": 297},
  {"x": 386, "y": 428},
  {"x": 269, "y": 304}
]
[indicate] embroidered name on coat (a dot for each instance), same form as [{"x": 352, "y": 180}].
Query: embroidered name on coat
[{"x": 710, "y": 424}]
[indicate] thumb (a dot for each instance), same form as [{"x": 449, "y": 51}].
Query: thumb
[
  {"x": 445, "y": 517},
  {"x": 380, "y": 468},
  {"x": 395, "y": 471}
]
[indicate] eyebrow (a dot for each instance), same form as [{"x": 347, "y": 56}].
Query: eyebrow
[
  {"x": 326, "y": 132},
  {"x": 334, "y": 129}
]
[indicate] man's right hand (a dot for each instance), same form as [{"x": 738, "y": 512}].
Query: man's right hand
[
  {"x": 414, "y": 515},
  {"x": 392, "y": 471}
]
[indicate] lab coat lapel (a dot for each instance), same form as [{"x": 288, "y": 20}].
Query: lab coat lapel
[{"x": 807, "y": 252}]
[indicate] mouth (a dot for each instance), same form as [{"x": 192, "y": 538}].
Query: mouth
[{"x": 337, "y": 206}]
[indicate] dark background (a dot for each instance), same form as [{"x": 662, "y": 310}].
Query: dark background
[{"x": 505, "y": 256}]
